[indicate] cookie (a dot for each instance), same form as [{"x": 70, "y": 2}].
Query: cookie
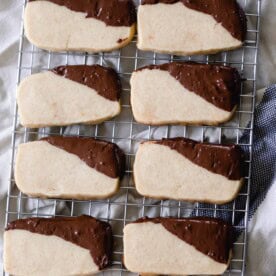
[
  {"x": 184, "y": 93},
  {"x": 183, "y": 169},
  {"x": 186, "y": 246},
  {"x": 69, "y": 95},
  {"x": 69, "y": 167},
  {"x": 190, "y": 27},
  {"x": 57, "y": 246},
  {"x": 80, "y": 25}
]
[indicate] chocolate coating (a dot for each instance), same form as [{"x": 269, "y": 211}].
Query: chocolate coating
[
  {"x": 84, "y": 231},
  {"x": 103, "y": 156},
  {"x": 225, "y": 160},
  {"x": 112, "y": 12},
  {"x": 102, "y": 79},
  {"x": 213, "y": 237},
  {"x": 227, "y": 12},
  {"x": 219, "y": 85}
]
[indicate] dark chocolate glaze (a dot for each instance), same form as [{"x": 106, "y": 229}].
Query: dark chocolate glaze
[
  {"x": 227, "y": 12},
  {"x": 102, "y": 79},
  {"x": 103, "y": 156},
  {"x": 225, "y": 160},
  {"x": 84, "y": 231},
  {"x": 219, "y": 85},
  {"x": 211, "y": 236},
  {"x": 112, "y": 12}
]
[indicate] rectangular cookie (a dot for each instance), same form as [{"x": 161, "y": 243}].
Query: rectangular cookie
[
  {"x": 190, "y": 27},
  {"x": 183, "y": 169},
  {"x": 69, "y": 95},
  {"x": 57, "y": 246},
  {"x": 80, "y": 25},
  {"x": 186, "y": 246},
  {"x": 184, "y": 93},
  {"x": 69, "y": 167}
]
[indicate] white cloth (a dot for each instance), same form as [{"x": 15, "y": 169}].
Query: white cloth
[
  {"x": 10, "y": 15},
  {"x": 262, "y": 228},
  {"x": 262, "y": 238}
]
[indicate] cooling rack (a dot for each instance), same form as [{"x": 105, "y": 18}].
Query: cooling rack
[{"x": 127, "y": 205}]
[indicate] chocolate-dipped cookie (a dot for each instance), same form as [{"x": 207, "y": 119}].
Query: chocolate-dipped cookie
[
  {"x": 183, "y": 169},
  {"x": 69, "y": 167},
  {"x": 68, "y": 95},
  {"x": 184, "y": 93},
  {"x": 189, "y": 27},
  {"x": 57, "y": 246},
  {"x": 80, "y": 25},
  {"x": 186, "y": 246}
]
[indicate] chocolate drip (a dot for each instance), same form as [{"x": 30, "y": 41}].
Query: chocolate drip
[
  {"x": 219, "y": 85},
  {"x": 112, "y": 12},
  {"x": 103, "y": 156},
  {"x": 212, "y": 237},
  {"x": 227, "y": 12},
  {"x": 102, "y": 79},
  {"x": 225, "y": 160},
  {"x": 84, "y": 231}
]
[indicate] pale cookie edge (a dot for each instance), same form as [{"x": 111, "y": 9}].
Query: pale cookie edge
[{"x": 182, "y": 123}]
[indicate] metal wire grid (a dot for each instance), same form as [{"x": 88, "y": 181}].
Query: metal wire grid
[{"x": 127, "y": 205}]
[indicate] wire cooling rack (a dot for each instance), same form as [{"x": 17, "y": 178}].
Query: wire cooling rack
[{"x": 127, "y": 205}]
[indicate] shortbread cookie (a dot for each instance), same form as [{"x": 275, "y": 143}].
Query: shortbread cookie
[
  {"x": 189, "y": 27},
  {"x": 69, "y": 95},
  {"x": 80, "y": 25},
  {"x": 69, "y": 167},
  {"x": 184, "y": 93},
  {"x": 57, "y": 246},
  {"x": 177, "y": 246},
  {"x": 183, "y": 169}
]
